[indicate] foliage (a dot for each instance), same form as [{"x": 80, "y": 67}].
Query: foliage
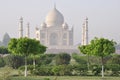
[
  {"x": 26, "y": 47},
  {"x": 102, "y": 48},
  {"x": 62, "y": 58},
  {"x": 79, "y": 59},
  {"x": 96, "y": 69},
  {"x": 64, "y": 78},
  {"x": 115, "y": 68},
  {"x": 3, "y": 50},
  {"x": 6, "y": 74},
  {"x": 62, "y": 70},
  {"x": 42, "y": 70},
  {"x": 45, "y": 59},
  {"x": 80, "y": 69},
  {"x": 2, "y": 62},
  {"x": 115, "y": 59},
  {"x": 85, "y": 49},
  {"x": 14, "y": 61},
  {"x": 12, "y": 46}
]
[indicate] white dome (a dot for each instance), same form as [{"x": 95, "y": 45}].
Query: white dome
[{"x": 54, "y": 18}]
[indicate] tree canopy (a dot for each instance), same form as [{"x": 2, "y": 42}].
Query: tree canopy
[
  {"x": 99, "y": 47},
  {"x": 85, "y": 49},
  {"x": 26, "y": 47},
  {"x": 102, "y": 47}
]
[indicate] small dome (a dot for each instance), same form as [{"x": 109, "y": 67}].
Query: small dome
[
  {"x": 65, "y": 26},
  {"x": 54, "y": 18},
  {"x": 43, "y": 25}
]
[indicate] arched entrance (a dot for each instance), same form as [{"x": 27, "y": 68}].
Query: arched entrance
[{"x": 53, "y": 39}]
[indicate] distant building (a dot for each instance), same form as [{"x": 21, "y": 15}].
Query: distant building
[{"x": 55, "y": 33}]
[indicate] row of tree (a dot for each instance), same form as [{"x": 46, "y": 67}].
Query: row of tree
[{"x": 32, "y": 48}]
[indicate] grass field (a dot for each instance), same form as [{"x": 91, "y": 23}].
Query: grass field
[
  {"x": 64, "y": 78},
  {"x": 6, "y": 73}
]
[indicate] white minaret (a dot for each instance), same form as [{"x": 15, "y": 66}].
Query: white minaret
[
  {"x": 85, "y": 32},
  {"x": 21, "y": 28},
  {"x": 37, "y": 33},
  {"x": 28, "y": 30}
]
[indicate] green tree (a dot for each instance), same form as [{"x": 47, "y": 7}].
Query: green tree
[
  {"x": 12, "y": 46},
  {"x": 37, "y": 49},
  {"x": 102, "y": 47},
  {"x": 24, "y": 46},
  {"x": 86, "y": 49}
]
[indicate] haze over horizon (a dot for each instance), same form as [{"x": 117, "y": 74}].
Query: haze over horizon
[{"x": 103, "y": 16}]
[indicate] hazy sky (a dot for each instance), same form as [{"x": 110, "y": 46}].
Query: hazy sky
[{"x": 103, "y": 15}]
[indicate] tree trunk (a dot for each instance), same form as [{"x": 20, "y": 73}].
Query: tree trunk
[
  {"x": 102, "y": 68},
  {"x": 34, "y": 62},
  {"x": 88, "y": 63},
  {"x": 25, "y": 66},
  {"x": 102, "y": 71}
]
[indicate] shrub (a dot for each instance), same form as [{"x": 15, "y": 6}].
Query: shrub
[
  {"x": 80, "y": 59},
  {"x": 115, "y": 68},
  {"x": 62, "y": 59},
  {"x": 45, "y": 59},
  {"x": 81, "y": 69},
  {"x": 6, "y": 74},
  {"x": 14, "y": 61},
  {"x": 46, "y": 78},
  {"x": 42, "y": 71},
  {"x": 2, "y": 63},
  {"x": 96, "y": 69}
]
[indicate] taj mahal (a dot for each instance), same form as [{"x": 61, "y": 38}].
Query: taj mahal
[{"x": 56, "y": 34}]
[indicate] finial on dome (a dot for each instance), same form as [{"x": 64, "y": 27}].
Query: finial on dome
[
  {"x": 86, "y": 18},
  {"x": 21, "y": 18}
]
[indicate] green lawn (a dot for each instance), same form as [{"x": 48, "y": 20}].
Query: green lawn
[
  {"x": 64, "y": 78},
  {"x": 8, "y": 72}
]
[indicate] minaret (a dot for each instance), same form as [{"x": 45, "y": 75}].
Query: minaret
[
  {"x": 37, "y": 33},
  {"x": 21, "y": 28},
  {"x": 28, "y": 30},
  {"x": 54, "y": 5},
  {"x": 85, "y": 32}
]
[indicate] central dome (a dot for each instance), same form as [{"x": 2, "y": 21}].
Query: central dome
[{"x": 54, "y": 18}]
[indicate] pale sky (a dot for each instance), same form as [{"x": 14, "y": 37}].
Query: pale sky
[{"x": 103, "y": 16}]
